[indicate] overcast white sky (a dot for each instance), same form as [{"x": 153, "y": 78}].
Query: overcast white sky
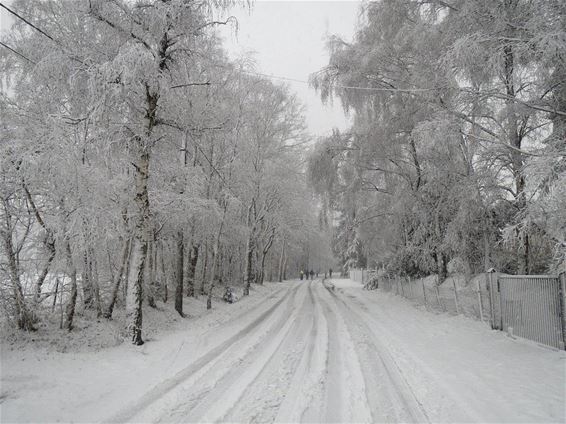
[{"x": 288, "y": 38}]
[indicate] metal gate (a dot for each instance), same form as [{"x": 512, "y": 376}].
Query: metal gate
[{"x": 530, "y": 306}]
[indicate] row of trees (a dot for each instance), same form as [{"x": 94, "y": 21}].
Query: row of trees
[
  {"x": 456, "y": 156},
  {"x": 135, "y": 157}
]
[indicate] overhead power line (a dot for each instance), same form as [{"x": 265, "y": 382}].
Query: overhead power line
[
  {"x": 26, "y": 21},
  {"x": 16, "y": 52},
  {"x": 349, "y": 87}
]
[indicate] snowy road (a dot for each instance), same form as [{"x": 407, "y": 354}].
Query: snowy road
[
  {"x": 299, "y": 352},
  {"x": 323, "y": 354}
]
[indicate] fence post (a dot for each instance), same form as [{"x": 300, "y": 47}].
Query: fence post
[
  {"x": 456, "y": 296},
  {"x": 500, "y": 304},
  {"x": 480, "y": 300},
  {"x": 562, "y": 295},
  {"x": 489, "y": 273}
]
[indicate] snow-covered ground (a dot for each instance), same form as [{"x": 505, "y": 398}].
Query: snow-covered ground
[{"x": 297, "y": 351}]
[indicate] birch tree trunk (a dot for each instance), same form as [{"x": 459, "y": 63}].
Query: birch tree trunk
[
  {"x": 116, "y": 287},
  {"x": 134, "y": 293},
  {"x": 48, "y": 243}
]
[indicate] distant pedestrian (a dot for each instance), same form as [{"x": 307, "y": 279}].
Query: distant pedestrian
[
  {"x": 301, "y": 274},
  {"x": 312, "y": 274},
  {"x": 330, "y": 273}
]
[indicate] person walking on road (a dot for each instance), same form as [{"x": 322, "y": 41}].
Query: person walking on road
[
  {"x": 330, "y": 273},
  {"x": 312, "y": 274},
  {"x": 301, "y": 274}
]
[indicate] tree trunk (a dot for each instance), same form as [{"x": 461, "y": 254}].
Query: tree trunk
[
  {"x": 95, "y": 283},
  {"x": 24, "y": 317},
  {"x": 116, "y": 287},
  {"x": 281, "y": 258},
  {"x": 151, "y": 276},
  {"x": 514, "y": 140},
  {"x": 442, "y": 266},
  {"x": 262, "y": 268},
  {"x": 248, "y": 265},
  {"x": 88, "y": 292},
  {"x": 486, "y": 251},
  {"x": 134, "y": 294},
  {"x": 215, "y": 259},
  {"x": 191, "y": 273},
  {"x": 55, "y": 295},
  {"x": 212, "y": 272},
  {"x": 48, "y": 242},
  {"x": 164, "y": 279},
  {"x": 179, "y": 274},
  {"x": 41, "y": 279},
  {"x": 204, "y": 266},
  {"x": 72, "y": 302}
]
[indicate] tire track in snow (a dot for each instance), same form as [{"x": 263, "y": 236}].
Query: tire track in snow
[
  {"x": 228, "y": 391},
  {"x": 390, "y": 396},
  {"x": 345, "y": 399},
  {"x": 203, "y": 362},
  {"x": 305, "y": 394},
  {"x": 263, "y": 398}
]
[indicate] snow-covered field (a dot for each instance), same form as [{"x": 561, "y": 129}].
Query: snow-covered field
[{"x": 297, "y": 351}]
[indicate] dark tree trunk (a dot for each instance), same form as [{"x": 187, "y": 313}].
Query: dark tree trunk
[
  {"x": 179, "y": 274},
  {"x": 164, "y": 279},
  {"x": 281, "y": 261},
  {"x": 191, "y": 272},
  {"x": 88, "y": 292},
  {"x": 150, "y": 275},
  {"x": 442, "y": 266},
  {"x": 248, "y": 266},
  {"x": 95, "y": 283},
  {"x": 72, "y": 302},
  {"x": 204, "y": 268}
]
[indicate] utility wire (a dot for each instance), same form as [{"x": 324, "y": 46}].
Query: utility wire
[
  {"x": 41, "y": 32},
  {"x": 16, "y": 52},
  {"x": 27, "y": 22},
  {"x": 349, "y": 87}
]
